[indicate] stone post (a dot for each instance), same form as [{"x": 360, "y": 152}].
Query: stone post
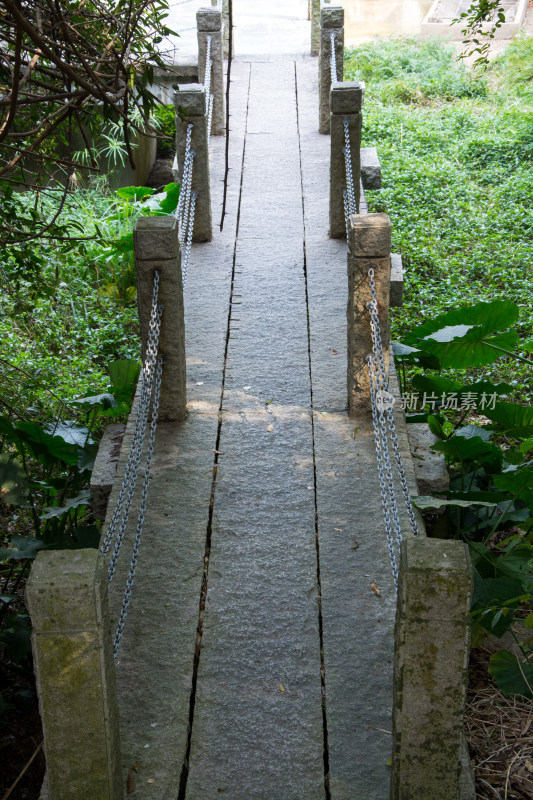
[
  {"x": 73, "y": 660},
  {"x": 157, "y": 248},
  {"x": 225, "y": 29},
  {"x": 209, "y": 23},
  {"x": 369, "y": 243},
  {"x": 314, "y": 16},
  {"x": 346, "y": 100},
  {"x": 331, "y": 22},
  {"x": 432, "y": 640},
  {"x": 191, "y": 108}
]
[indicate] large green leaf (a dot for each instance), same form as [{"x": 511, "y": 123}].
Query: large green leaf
[
  {"x": 82, "y": 499},
  {"x": 24, "y": 547},
  {"x": 134, "y": 192},
  {"x": 459, "y": 448},
  {"x": 491, "y": 317},
  {"x": 44, "y": 446},
  {"x": 512, "y": 419},
  {"x": 424, "y": 502},
  {"x": 438, "y": 385},
  {"x": 510, "y": 675},
  {"x": 13, "y": 482},
  {"x": 124, "y": 374},
  {"x": 464, "y": 338},
  {"x": 170, "y": 202}
]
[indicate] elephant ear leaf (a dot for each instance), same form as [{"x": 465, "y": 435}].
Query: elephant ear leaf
[
  {"x": 470, "y": 336},
  {"x": 511, "y": 675}
]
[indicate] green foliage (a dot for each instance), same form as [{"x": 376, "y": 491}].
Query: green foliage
[
  {"x": 457, "y": 184},
  {"x": 165, "y": 116}
]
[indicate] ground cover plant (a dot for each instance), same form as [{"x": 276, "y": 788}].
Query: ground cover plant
[{"x": 457, "y": 159}]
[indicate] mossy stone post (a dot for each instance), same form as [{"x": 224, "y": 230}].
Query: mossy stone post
[
  {"x": 369, "y": 243},
  {"x": 73, "y": 660},
  {"x": 432, "y": 640},
  {"x": 331, "y": 22},
  {"x": 191, "y": 108},
  {"x": 157, "y": 249},
  {"x": 209, "y": 23},
  {"x": 346, "y": 100}
]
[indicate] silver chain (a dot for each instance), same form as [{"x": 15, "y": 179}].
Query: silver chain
[
  {"x": 346, "y": 213},
  {"x": 142, "y": 510},
  {"x": 122, "y": 508},
  {"x": 186, "y": 178},
  {"x": 378, "y": 351},
  {"x": 207, "y": 84},
  {"x": 333, "y": 59},
  {"x": 188, "y": 244},
  {"x": 350, "y": 190},
  {"x": 210, "y": 113},
  {"x": 381, "y": 414}
]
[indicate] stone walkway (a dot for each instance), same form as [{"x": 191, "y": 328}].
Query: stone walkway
[{"x": 256, "y": 663}]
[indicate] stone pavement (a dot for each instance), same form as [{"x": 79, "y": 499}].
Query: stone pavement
[{"x": 256, "y": 662}]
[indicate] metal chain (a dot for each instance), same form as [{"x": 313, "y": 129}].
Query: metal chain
[
  {"x": 142, "y": 511},
  {"x": 352, "y": 207},
  {"x": 333, "y": 59},
  {"x": 190, "y": 228},
  {"x": 210, "y": 113},
  {"x": 385, "y": 497},
  {"x": 346, "y": 212},
  {"x": 208, "y": 65},
  {"x": 187, "y": 167},
  {"x": 378, "y": 354},
  {"x": 187, "y": 186},
  {"x": 127, "y": 488}
]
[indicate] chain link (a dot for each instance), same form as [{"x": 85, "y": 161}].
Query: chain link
[
  {"x": 122, "y": 508},
  {"x": 389, "y": 409},
  {"x": 188, "y": 244},
  {"x": 333, "y": 58},
  {"x": 382, "y": 413},
  {"x": 350, "y": 190},
  {"x": 142, "y": 510},
  {"x": 187, "y": 173}
]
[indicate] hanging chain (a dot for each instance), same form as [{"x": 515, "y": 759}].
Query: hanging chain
[
  {"x": 188, "y": 244},
  {"x": 142, "y": 510},
  {"x": 350, "y": 190},
  {"x": 382, "y": 412},
  {"x": 187, "y": 173},
  {"x": 207, "y": 84},
  {"x": 122, "y": 508},
  {"x": 378, "y": 352},
  {"x": 333, "y": 59},
  {"x": 346, "y": 212}
]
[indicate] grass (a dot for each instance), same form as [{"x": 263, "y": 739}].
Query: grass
[{"x": 457, "y": 159}]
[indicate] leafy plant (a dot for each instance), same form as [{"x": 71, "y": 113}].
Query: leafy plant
[{"x": 490, "y": 499}]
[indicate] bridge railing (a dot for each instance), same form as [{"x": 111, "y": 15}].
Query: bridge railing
[{"x": 433, "y": 577}]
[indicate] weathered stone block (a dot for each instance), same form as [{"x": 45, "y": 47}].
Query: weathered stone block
[
  {"x": 67, "y": 600},
  {"x": 331, "y": 17},
  {"x": 218, "y": 123},
  {"x": 190, "y": 97},
  {"x": 105, "y": 468},
  {"x": 430, "y": 670},
  {"x": 324, "y": 72},
  {"x": 208, "y": 19},
  {"x": 370, "y": 168},
  {"x": 371, "y": 236},
  {"x": 173, "y": 400},
  {"x": 346, "y": 97},
  {"x": 337, "y": 180},
  {"x": 430, "y": 466},
  {"x": 396, "y": 278},
  {"x": 156, "y": 238}
]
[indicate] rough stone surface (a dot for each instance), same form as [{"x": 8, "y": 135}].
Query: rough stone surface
[
  {"x": 430, "y": 668},
  {"x": 332, "y": 17},
  {"x": 346, "y": 98},
  {"x": 337, "y": 170},
  {"x": 370, "y": 168},
  {"x": 396, "y": 280},
  {"x": 209, "y": 19},
  {"x": 368, "y": 242},
  {"x": 67, "y": 600},
  {"x": 191, "y": 97},
  {"x": 218, "y": 123},
  {"x": 173, "y": 399},
  {"x": 430, "y": 466},
  {"x": 315, "y": 27},
  {"x": 324, "y": 66},
  {"x": 105, "y": 468}
]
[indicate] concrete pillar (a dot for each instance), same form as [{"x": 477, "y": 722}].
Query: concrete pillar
[
  {"x": 226, "y": 29},
  {"x": 346, "y": 100},
  {"x": 314, "y": 16},
  {"x": 191, "y": 107},
  {"x": 73, "y": 661},
  {"x": 209, "y": 23},
  {"x": 331, "y": 21},
  {"x": 157, "y": 248},
  {"x": 369, "y": 243},
  {"x": 432, "y": 641}
]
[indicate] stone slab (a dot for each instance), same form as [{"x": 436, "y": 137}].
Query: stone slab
[
  {"x": 105, "y": 468},
  {"x": 396, "y": 280},
  {"x": 257, "y": 732},
  {"x": 370, "y": 168},
  {"x": 430, "y": 466}
]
